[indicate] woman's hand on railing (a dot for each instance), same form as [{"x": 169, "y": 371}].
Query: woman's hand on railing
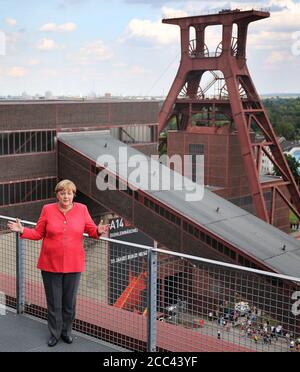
[
  {"x": 102, "y": 229},
  {"x": 16, "y": 226}
]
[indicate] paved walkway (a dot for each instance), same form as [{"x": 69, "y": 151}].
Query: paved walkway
[{"x": 23, "y": 333}]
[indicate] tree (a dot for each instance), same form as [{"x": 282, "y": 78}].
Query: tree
[
  {"x": 294, "y": 167},
  {"x": 286, "y": 130}
]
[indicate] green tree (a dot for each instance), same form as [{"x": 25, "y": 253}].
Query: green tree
[
  {"x": 286, "y": 130},
  {"x": 294, "y": 167}
]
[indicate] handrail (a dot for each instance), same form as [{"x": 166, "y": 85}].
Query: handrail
[{"x": 183, "y": 255}]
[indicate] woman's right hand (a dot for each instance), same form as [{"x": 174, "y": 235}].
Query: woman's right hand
[{"x": 16, "y": 226}]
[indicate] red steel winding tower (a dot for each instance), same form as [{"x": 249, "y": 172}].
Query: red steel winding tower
[{"x": 188, "y": 103}]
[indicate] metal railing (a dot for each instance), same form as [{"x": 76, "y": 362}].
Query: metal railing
[
  {"x": 214, "y": 11},
  {"x": 143, "y": 298}
]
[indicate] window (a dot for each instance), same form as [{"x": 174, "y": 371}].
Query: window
[
  {"x": 226, "y": 251},
  {"x": 220, "y": 247},
  {"x": 33, "y": 147},
  {"x": 22, "y": 148},
  {"x": 11, "y": 193},
  {"x": 162, "y": 211},
  {"x": 1, "y": 195},
  {"x": 33, "y": 190},
  {"x": 17, "y": 193},
  {"x": 194, "y": 150},
  {"x": 50, "y": 141},
  {"x": 25, "y": 142},
  {"x": 27, "y": 191},
  {"x": 44, "y": 141},
  {"x": 23, "y": 192},
  {"x": 233, "y": 255},
  {"x": 17, "y": 143},
  {"x": 5, "y": 141},
  {"x": 6, "y": 194},
  {"x": 214, "y": 244},
  {"x": 39, "y": 141}
]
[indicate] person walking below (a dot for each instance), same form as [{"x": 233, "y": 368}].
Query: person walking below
[{"x": 62, "y": 258}]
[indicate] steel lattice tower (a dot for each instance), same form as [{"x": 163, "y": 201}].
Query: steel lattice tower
[{"x": 237, "y": 98}]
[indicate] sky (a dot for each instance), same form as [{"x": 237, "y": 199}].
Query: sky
[{"x": 76, "y": 47}]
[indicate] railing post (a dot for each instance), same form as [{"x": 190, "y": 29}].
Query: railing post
[
  {"x": 20, "y": 275},
  {"x": 152, "y": 300}
]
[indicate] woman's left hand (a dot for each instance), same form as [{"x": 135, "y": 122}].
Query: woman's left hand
[{"x": 102, "y": 229}]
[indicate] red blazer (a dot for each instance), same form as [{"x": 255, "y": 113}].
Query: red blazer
[{"x": 62, "y": 248}]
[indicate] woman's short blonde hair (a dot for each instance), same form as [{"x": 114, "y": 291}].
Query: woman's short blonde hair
[{"x": 65, "y": 185}]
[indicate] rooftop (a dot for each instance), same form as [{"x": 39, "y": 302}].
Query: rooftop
[{"x": 243, "y": 230}]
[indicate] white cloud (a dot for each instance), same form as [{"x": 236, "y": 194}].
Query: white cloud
[
  {"x": 137, "y": 70},
  {"x": 49, "y": 73},
  {"x": 93, "y": 52},
  {"x": 10, "y": 21},
  {"x": 119, "y": 65},
  {"x": 173, "y": 13},
  {"x": 53, "y": 27},
  {"x": 47, "y": 45},
  {"x": 276, "y": 57},
  {"x": 17, "y": 72},
  {"x": 269, "y": 39},
  {"x": 34, "y": 62},
  {"x": 154, "y": 31},
  {"x": 12, "y": 40},
  {"x": 284, "y": 20}
]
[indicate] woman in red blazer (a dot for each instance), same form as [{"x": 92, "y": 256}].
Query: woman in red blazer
[{"x": 62, "y": 258}]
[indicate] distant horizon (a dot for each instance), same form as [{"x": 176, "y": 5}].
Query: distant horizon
[{"x": 90, "y": 96}]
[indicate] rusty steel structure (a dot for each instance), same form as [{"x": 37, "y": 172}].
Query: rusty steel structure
[{"x": 234, "y": 103}]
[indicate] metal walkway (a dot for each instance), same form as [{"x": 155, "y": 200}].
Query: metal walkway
[{"x": 23, "y": 333}]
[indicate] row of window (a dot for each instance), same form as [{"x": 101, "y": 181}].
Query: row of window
[
  {"x": 162, "y": 211},
  {"x": 244, "y": 262},
  {"x": 26, "y": 142},
  {"x": 27, "y": 191},
  {"x": 209, "y": 240}
]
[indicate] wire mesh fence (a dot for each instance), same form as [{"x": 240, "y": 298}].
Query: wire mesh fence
[
  {"x": 151, "y": 299},
  {"x": 217, "y": 308},
  {"x": 7, "y": 265}
]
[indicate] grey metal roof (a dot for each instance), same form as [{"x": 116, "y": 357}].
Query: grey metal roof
[{"x": 231, "y": 223}]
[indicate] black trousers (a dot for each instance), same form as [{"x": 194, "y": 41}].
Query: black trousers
[{"x": 61, "y": 291}]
